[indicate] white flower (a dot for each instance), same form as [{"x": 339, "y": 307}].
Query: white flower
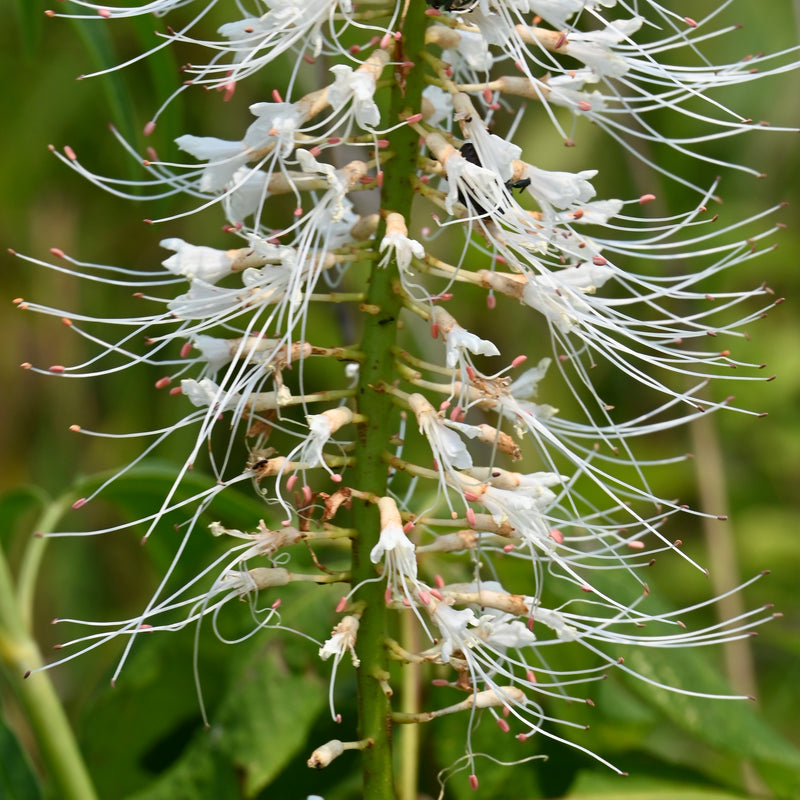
[
  {"x": 396, "y": 548},
  {"x": 482, "y": 190},
  {"x": 560, "y": 296},
  {"x": 559, "y": 12},
  {"x": 206, "y": 393},
  {"x": 276, "y": 124},
  {"x": 437, "y": 105},
  {"x": 359, "y": 87},
  {"x": 225, "y": 159},
  {"x": 452, "y": 624},
  {"x": 459, "y": 340},
  {"x": 320, "y": 429},
  {"x": 557, "y": 624},
  {"x": 559, "y": 189},
  {"x": 342, "y": 640},
  {"x": 447, "y": 446},
  {"x": 245, "y": 194},
  {"x": 594, "y": 48},
  {"x": 256, "y": 41},
  {"x": 502, "y": 632},
  {"x": 472, "y": 52},
  {"x": 404, "y": 249},
  {"x": 215, "y": 352},
  {"x": 495, "y": 153},
  {"x": 396, "y": 242},
  {"x": 193, "y": 261},
  {"x": 526, "y": 385},
  {"x": 595, "y": 212},
  {"x": 394, "y": 544},
  {"x": 337, "y": 206}
]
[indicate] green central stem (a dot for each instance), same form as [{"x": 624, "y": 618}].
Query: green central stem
[{"x": 370, "y": 473}]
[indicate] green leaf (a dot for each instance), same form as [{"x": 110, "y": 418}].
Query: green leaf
[
  {"x": 138, "y": 493},
  {"x": 260, "y": 696},
  {"x": 592, "y": 785},
  {"x": 28, "y": 29},
  {"x": 98, "y": 44},
  {"x": 268, "y": 717},
  {"x": 731, "y": 726},
  {"x": 18, "y": 781},
  {"x": 153, "y": 712},
  {"x": 205, "y": 773},
  {"x": 14, "y": 506},
  {"x": 261, "y": 724},
  {"x": 138, "y": 489},
  {"x": 448, "y": 744},
  {"x": 163, "y": 71}
]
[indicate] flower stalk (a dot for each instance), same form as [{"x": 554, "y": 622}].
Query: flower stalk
[{"x": 377, "y": 369}]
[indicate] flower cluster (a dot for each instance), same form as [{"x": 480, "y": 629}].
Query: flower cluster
[{"x": 427, "y": 475}]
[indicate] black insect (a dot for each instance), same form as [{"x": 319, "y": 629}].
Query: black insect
[
  {"x": 471, "y": 154},
  {"x": 522, "y": 185},
  {"x": 458, "y": 6}
]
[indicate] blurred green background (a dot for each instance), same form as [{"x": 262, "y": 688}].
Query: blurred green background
[{"x": 148, "y": 729}]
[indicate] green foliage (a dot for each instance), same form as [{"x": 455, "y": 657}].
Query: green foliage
[
  {"x": 257, "y": 724},
  {"x": 732, "y": 728},
  {"x": 18, "y": 779},
  {"x": 267, "y": 710}
]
